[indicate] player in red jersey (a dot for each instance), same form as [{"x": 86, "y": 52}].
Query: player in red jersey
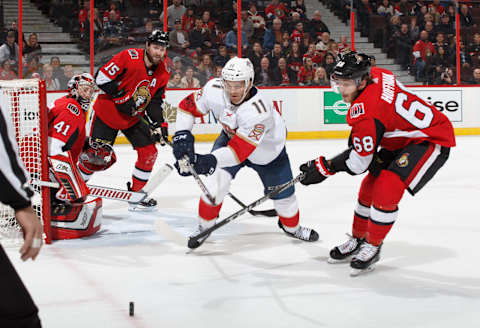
[
  {"x": 71, "y": 216},
  {"x": 398, "y": 137},
  {"x": 133, "y": 82}
]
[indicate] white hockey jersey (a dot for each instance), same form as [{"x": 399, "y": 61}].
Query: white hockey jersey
[{"x": 256, "y": 129}]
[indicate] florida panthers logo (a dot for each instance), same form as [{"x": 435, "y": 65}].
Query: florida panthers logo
[
  {"x": 142, "y": 95},
  {"x": 403, "y": 160}
]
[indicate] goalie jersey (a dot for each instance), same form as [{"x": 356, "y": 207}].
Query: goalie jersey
[{"x": 257, "y": 131}]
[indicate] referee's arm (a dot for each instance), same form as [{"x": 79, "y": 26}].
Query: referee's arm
[{"x": 15, "y": 190}]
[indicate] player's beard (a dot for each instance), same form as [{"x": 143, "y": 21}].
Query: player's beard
[{"x": 150, "y": 58}]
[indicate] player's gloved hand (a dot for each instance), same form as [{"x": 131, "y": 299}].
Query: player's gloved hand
[
  {"x": 205, "y": 164},
  {"x": 160, "y": 132},
  {"x": 183, "y": 145},
  {"x": 381, "y": 160},
  {"x": 127, "y": 107},
  {"x": 316, "y": 171},
  {"x": 183, "y": 167}
]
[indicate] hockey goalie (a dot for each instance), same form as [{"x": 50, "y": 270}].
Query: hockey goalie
[{"x": 68, "y": 152}]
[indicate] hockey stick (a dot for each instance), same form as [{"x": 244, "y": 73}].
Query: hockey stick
[
  {"x": 193, "y": 241},
  {"x": 269, "y": 213},
  {"x": 133, "y": 197}
]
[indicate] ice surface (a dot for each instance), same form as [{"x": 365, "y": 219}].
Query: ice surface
[{"x": 249, "y": 274}]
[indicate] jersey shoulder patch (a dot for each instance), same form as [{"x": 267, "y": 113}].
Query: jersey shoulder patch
[
  {"x": 73, "y": 109},
  {"x": 356, "y": 110},
  {"x": 133, "y": 53}
]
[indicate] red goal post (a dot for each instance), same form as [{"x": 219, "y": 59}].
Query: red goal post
[{"x": 26, "y": 101}]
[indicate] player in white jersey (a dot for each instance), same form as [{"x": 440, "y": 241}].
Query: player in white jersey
[{"x": 253, "y": 135}]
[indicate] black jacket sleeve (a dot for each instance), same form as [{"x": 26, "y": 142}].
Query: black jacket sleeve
[{"x": 154, "y": 109}]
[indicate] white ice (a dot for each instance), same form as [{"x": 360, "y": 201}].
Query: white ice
[{"x": 249, "y": 274}]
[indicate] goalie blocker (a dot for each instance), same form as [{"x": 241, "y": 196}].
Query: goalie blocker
[{"x": 71, "y": 217}]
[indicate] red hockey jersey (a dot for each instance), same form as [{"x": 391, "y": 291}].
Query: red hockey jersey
[
  {"x": 66, "y": 123},
  {"x": 388, "y": 115},
  {"x": 136, "y": 81}
]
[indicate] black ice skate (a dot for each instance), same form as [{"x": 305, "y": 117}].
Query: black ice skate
[
  {"x": 365, "y": 260},
  {"x": 301, "y": 233},
  {"x": 343, "y": 252},
  {"x": 148, "y": 204}
]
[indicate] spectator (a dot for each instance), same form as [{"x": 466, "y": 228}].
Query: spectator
[
  {"x": 402, "y": 8},
  {"x": 385, "y": 8},
  {"x": 276, "y": 9},
  {"x": 324, "y": 40},
  {"x": 441, "y": 42},
  {"x": 247, "y": 25},
  {"x": 445, "y": 26},
  {"x": 285, "y": 42},
  {"x": 320, "y": 77},
  {"x": 438, "y": 7},
  {"x": 275, "y": 55},
  {"x": 364, "y": 11},
  {"x": 188, "y": 81},
  {"x": 178, "y": 38},
  {"x": 255, "y": 17},
  {"x": 422, "y": 50},
  {"x": 177, "y": 65},
  {"x": 231, "y": 40},
  {"x": 228, "y": 16},
  {"x": 305, "y": 75},
  {"x": 114, "y": 30},
  {"x": 344, "y": 46},
  {"x": 414, "y": 28},
  {"x": 32, "y": 48},
  {"x": 447, "y": 77},
  {"x": 283, "y": 75},
  {"x": 67, "y": 75},
  {"x": 112, "y": 11},
  {"x": 329, "y": 63},
  {"x": 273, "y": 34},
  {"x": 218, "y": 73},
  {"x": 32, "y": 67},
  {"x": 152, "y": 8},
  {"x": 188, "y": 21},
  {"x": 295, "y": 18},
  {"x": 298, "y": 6},
  {"x": 316, "y": 27},
  {"x": 199, "y": 37},
  {"x": 6, "y": 72},
  {"x": 57, "y": 70},
  {"x": 256, "y": 54},
  {"x": 297, "y": 34},
  {"x": 222, "y": 57},
  {"x": 175, "y": 81},
  {"x": 263, "y": 74},
  {"x": 439, "y": 60},
  {"x": 174, "y": 12},
  {"x": 295, "y": 57},
  {"x": 429, "y": 27},
  {"x": 476, "y": 76},
  {"x": 208, "y": 24},
  {"x": 466, "y": 19},
  {"x": 9, "y": 50},
  {"x": 403, "y": 48},
  {"x": 139, "y": 34},
  {"x": 51, "y": 83},
  {"x": 205, "y": 69}
]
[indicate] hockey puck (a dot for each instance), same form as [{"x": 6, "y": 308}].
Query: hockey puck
[{"x": 131, "y": 309}]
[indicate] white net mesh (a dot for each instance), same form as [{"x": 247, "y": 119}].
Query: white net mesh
[{"x": 21, "y": 97}]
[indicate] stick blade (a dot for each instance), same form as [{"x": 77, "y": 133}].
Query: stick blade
[{"x": 157, "y": 177}]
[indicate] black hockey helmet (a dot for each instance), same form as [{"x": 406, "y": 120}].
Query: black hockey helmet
[
  {"x": 158, "y": 37},
  {"x": 352, "y": 65}
]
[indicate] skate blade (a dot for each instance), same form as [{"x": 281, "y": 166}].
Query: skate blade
[
  {"x": 357, "y": 272},
  {"x": 134, "y": 208},
  {"x": 334, "y": 261}
]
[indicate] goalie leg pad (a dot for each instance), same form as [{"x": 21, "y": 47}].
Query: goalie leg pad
[
  {"x": 77, "y": 220},
  {"x": 146, "y": 157},
  {"x": 66, "y": 172}
]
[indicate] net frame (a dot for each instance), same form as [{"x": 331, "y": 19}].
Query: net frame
[{"x": 26, "y": 100}]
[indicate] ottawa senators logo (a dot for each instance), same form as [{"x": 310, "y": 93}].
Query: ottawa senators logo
[
  {"x": 403, "y": 160},
  {"x": 142, "y": 95}
]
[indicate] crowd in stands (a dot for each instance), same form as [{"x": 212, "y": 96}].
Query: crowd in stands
[
  {"x": 421, "y": 35},
  {"x": 285, "y": 47}
]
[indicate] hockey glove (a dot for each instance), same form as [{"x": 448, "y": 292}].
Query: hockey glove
[
  {"x": 382, "y": 159},
  {"x": 183, "y": 145},
  {"x": 160, "y": 132},
  {"x": 316, "y": 171},
  {"x": 205, "y": 164},
  {"x": 126, "y": 106}
]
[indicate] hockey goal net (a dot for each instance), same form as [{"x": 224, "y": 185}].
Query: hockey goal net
[{"x": 26, "y": 101}]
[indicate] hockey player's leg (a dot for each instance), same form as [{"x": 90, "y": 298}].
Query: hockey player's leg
[
  {"x": 146, "y": 157},
  {"x": 218, "y": 184},
  {"x": 277, "y": 173},
  {"x": 343, "y": 252},
  {"x": 387, "y": 193}
]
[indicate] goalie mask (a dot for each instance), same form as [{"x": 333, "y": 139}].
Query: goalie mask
[
  {"x": 237, "y": 70},
  {"x": 97, "y": 156},
  {"x": 81, "y": 87}
]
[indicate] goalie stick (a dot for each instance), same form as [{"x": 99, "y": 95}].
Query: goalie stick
[
  {"x": 120, "y": 194},
  {"x": 193, "y": 241}
]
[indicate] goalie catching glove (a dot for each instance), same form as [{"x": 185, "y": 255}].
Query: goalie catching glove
[
  {"x": 316, "y": 171},
  {"x": 73, "y": 187}
]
